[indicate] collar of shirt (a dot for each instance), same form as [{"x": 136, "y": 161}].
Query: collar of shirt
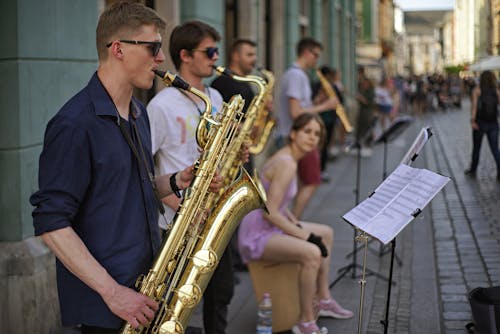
[{"x": 103, "y": 104}]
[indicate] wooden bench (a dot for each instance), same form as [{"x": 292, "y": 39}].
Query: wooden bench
[{"x": 281, "y": 281}]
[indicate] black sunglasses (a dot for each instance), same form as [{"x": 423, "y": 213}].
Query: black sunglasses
[
  {"x": 210, "y": 51},
  {"x": 153, "y": 46}
]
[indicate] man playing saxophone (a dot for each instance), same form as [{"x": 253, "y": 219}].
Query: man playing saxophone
[
  {"x": 174, "y": 116},
  {"x": 96, "y": 206}
]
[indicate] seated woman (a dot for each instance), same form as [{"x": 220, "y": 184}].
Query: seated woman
[{"x": 279, "y": 236}]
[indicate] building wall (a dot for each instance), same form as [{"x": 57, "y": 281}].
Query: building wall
[
  {"x": 48, "y": 54},
  {"x": 464, "y": 31}
]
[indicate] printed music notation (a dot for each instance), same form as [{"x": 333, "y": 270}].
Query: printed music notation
[{"x": 395, "y": 202}]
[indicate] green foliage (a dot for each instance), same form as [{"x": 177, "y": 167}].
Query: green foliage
[{"x": 455, "y": 68}]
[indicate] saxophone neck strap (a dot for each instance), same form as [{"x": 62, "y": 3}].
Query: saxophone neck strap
[{"x": 141, "y": 159}]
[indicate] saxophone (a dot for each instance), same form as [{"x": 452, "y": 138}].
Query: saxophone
[
  {"x": 331, "y": 94},
  {"x": 264, "y": 122},
  {"x": 232, "y": 165},
  {"x": 189, "y": 255}
]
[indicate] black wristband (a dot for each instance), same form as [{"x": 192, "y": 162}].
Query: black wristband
[{"x": 173, "y": 186}]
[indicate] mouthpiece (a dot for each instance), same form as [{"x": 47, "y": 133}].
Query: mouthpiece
[
  {"x": 172, "y": 79},
  {"x": 223, "y": 71}
]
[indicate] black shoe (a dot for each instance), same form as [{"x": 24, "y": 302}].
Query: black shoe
[{"x": 469, "y": 172}]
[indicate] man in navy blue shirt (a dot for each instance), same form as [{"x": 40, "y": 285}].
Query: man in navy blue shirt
[{"x": 96, "y": 208}]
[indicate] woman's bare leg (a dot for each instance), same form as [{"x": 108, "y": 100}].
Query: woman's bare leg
[
  {"x": 326, "y": 234},
  {"x": 285, "y": 248}
]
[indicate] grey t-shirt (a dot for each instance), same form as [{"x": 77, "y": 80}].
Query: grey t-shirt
[{"x": 294, "y": 84}]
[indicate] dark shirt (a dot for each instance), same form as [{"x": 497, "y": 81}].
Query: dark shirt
[
  {"x": 90, "y": 180},
  {"x": 228, "y": 87}
]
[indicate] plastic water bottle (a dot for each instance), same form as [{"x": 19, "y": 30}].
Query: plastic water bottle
[{"x": 265, "y": 315}]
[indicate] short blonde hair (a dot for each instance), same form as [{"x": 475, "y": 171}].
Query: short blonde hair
[{"x": 122, "y": 19}]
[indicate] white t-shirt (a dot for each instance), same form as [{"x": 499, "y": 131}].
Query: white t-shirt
[
  {"x": 294, "y": 84},
  {"x": 382, "y": 96},
  {"x": 174, "y": 119}
]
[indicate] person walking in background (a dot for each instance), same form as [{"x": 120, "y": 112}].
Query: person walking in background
[
  {"x": 384, "y": 102},
  {"x": 281, "y": 236},
  {"x": 484, "y": 120},
  {"x": 420, "y": 96},
  {"x": 96, "y": 207},
  {"x": 296, "y": 99},
  {"x": 366, "y": 116}
]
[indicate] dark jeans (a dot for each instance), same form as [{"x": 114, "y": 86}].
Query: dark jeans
[
  {"x": 490, "y": 129},
  {"x": 218, "y": 295},
  {"x": 329, "y": 122}
]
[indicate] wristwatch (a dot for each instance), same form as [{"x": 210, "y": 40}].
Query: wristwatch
[{"x": 173, "y": 185}]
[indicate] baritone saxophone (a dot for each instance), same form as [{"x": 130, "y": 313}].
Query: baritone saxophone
[
  {"x": 265, "y": 122},
  {"x": 232, "y": 164},
  {"x": 190, "y": 253},
  {"x": 330, "y": 92}
]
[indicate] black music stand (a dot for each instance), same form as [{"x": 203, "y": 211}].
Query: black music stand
[
  {"x": 388, "y": 210},
  {"x": 413, "y": 155},
  {"x": 343, "y": 271}
]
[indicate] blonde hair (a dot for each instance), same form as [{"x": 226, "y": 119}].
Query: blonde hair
[{"x": 121, "y": 20}]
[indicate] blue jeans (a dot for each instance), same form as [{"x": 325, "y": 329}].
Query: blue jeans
[{"x": 490, "y": 129}]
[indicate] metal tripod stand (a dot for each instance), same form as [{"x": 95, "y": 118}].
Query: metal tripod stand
[{"x": 351, "y": 267}]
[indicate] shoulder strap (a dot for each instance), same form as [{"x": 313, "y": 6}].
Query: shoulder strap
[{"x": 141, "y": 162}]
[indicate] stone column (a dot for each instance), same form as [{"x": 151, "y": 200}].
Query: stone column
[{"x": 47, "y": 55}]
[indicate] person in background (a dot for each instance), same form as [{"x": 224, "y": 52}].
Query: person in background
[
  {"x": 484, "y": 120},
  {"x": 329, "y": 117},
  {"x": 296, "y": 99},
  {"x": 96, "y": 207},
  {"x": 281, "y": 237},
  {"x": 366, "y": 116},
  {"x": 384, "y": 102},
  {"x": 243, "y": 56}
]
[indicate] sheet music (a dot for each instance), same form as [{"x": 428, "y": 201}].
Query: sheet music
[
  {"x": 395, "y": 202},
  {"x": 417, "y": 146}
]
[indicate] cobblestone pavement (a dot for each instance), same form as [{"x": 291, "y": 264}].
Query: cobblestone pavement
[{"x": 465, "y": 218}]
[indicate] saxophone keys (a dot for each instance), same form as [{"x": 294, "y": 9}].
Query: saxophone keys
[
  {"x": 205, "y": 260},
  {"x": 171, "y": 327},
  {"x": 189, "y": 295}
]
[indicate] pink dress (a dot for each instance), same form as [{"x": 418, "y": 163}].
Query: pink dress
[{"x": 255, "y": 230}]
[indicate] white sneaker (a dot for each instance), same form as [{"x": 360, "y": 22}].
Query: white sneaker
[{"x": 334, "y": 151}]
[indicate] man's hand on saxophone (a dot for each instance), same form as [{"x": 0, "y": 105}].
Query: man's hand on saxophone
[
  {"x": 173, "y": 183},
  {"x": 130, "y": 305},
  {"x": 326, "y": 103}
]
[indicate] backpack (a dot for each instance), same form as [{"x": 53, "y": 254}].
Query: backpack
[{"x": 487, "y": 106}]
